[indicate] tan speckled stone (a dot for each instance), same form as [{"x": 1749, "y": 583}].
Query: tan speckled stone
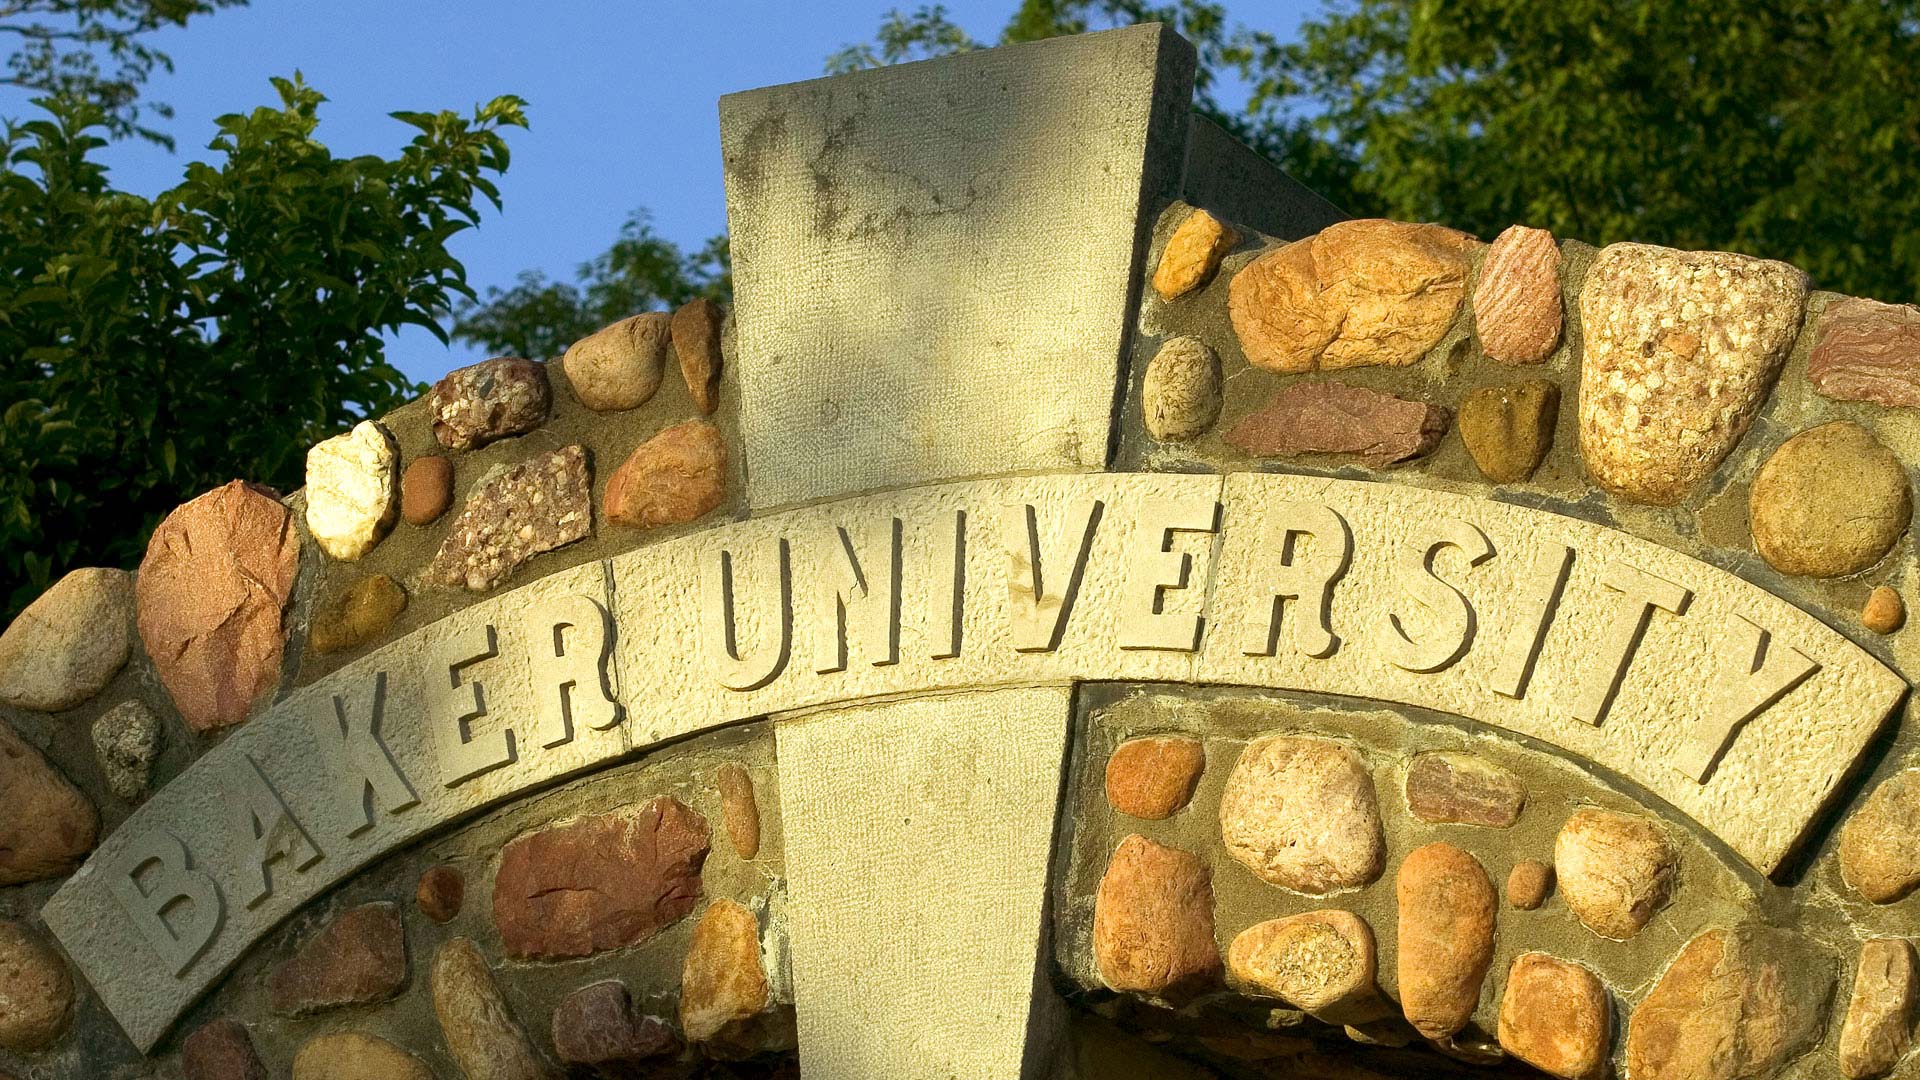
[
  {"x": 619, "y": 366},
  {"x": 1301, "y": 813},
  {"x": 1180, "y": 393},
  {"x": 1321, "y": 962},
  {"x": 350, "y": 1055},
  {"x": 1516, "y": 302},
  {"x": 1192, "y": 254},
  {"x": 482, "y": 1035},
  {"x": 1831, "y": 501},
  {"x": 1734, "y": 1005},
  {"x": 68, "y": 644},
  {"x": 36, "y": 993},
  {"x": 1680, "y": 349},
  {"x": 1614, "y": 870},
  {"x": 1878, "y": 1027}
]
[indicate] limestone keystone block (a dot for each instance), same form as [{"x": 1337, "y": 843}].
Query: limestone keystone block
[
  {"x": 1556, "y": 1017},
  {"x": 696, "y": 340},
  {"x": 1192, "y": 254},
  {"x": 221, "y": 1050},
  {"x": 1448, "y": 787},
  {"x": 353, "y": 490},
  {"x": 484, "y": 402},
  {"x": 595, "y": 1028},
  {"x": 1153, "y": 920},
  {"x": 1734, "y": 1005},
  {"x": 619, "y": 366},
  {"x": 1615, "y": 870},
  {"x": 1516, "y": 302},
  {"x": 671, "y": 479},
  {"x": 1509, "y": 429},
  {"x": 1180, "y": 393},
  {"x": 542, "y": 503},
  {"x": 65, "y": 647},
  {"x": 1321, "y": 962},
  {"x": 1301, "y": 813},
  {"x": 1880, "y": 843},
  {"x": 1867, "y": 351},
  {"x": 216, "y": 577},
  {"x": 48, "y": 826},
  {"x": 1358, "y": 293},
  {"x": 739, "y": 810},
  {"x": 1831, "y": 501},
  {"x": 1447, "y": 908},
  {"x": 1879, "y": 1024},
  {"x": 126, "y": 740},
  {"x": 358, "y": 958},
  {"x": 36, "y": 993},
  {"x": 350, "y": 1055},
  {"x": 1335, "y": 418},
  {"x": 483, "y": 1038},
  {"x": 1680, "y": 349},
  {"x": 599, "y": 883},
  {"x": 722, "y": 984},
  {"x": 1152, "y": 778}
]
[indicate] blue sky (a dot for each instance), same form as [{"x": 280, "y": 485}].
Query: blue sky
[{"x": 622, "y": 97}]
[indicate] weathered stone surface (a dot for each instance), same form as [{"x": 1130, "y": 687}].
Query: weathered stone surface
[
  {"x": 1680, "y": 350},
  {"x": 1879, "y": 1024},
  {"x": 1528, "y": 884},
  {"x": 1556, "y": 1017},
  {"x": 1180, "y": 393},
  {"x": 490, "y": 400},
  {"x": 1734, "y": 1005},
  {"x": 739, "y": 810},
  {"x": 696, "y": 341},
  {"x": 1867, "y": 351},
  {"x": 1301, "y": 813},
  {"x": 1516, "y": 302},
  {"x": 1357, "y": 293},
  {"x": 36, "y": 993},
  {"x": 353, "y": 490},
  {"x": 426, "y": 489},
  {"x": 1884, "y": 612},
  {"x": 1615, "y": 870},
  {"x": 1509, "y": 429},
  {"x": 363, "y": 615},
  {"x": 540, "y": 504},
  {"x": 482, "y": 1036},
  {"x": 1446, "y": 937},
  {"x": 1321, "y": 962},
  {"x": 600, "y": 882},
  {"x": 1880, "y": 843},
  {"x": 1153, "y": 777},
  {"x": 596, "y": 1028},
  {"x": 1335, "y": 418},
  {"x": 126, "y": 740},
  {"x": 1830, "y": 501},
  {"x": 1153, "y": 920},
  {"x": 349, "y": 1055},
  {"x": 217, "y": 574},
  {"x": 670, "y": 479},
  {"x": 619, "y": 366},
  {"x": 441, "y": 893},
  {"x": 359, "y": 957},
  {"x": 68, "y": 643},
  {"x": 221, "y": 1050},
  {"x": 1448, "y": 787},
  {"x": 1192, "y": 254},
  {"x": 49, "y": 826},
  {"x": 722, "y": 984}
]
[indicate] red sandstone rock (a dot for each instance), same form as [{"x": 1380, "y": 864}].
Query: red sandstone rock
[
  {"x": 221, "y": 1050},
  {"x": 1153, "y": 920},
  {"x": 217, "y": 575},
  {"x": 360, "y": 957},
  {"x": 671, "y": 479},
  {"x": 599, "y": 883},
  {"x": 536, "y": 506},
  {"x": 493, "y": 399},
  {"x": 1301, "y": 813},
  {"x": 1446, "y": 937},
  {"x": 1445, "y": 787},
  {"x": 48, "y": 826},
  {"x": 596, "y": 1028},
  {"x": 696, "y": 340},
  {"x": 426, "y": 490},
  {"x": 441, "y": 893},
  {"x": 739, "y": 809},
  {"x": 1153, "y": 778},
  {"x": 1880, "y": 843},
  {"x": 1867, "y": 351},
  {"x": 1335, "y": 418},
  {"x": 1516, "y": 302}
]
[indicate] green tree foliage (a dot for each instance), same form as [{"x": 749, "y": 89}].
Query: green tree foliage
[
  {"x": 151, "y": 349},
  {"x": 97, "y": 52},
  {"x": 642, "y": 271},
  {"x": 1787, "y": 129}
]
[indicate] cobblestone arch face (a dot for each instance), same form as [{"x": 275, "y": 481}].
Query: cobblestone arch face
[{"x": 1088, "y": 610}]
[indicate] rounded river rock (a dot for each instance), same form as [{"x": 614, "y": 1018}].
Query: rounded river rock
[{"x": 1301, "y": 813}]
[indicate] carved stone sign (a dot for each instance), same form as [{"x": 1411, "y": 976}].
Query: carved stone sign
[{"x": 1734, "y": 706}]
